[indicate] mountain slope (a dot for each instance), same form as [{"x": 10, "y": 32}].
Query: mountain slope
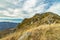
[
  {"x": 39, "y": 19},
  {"x": 36, "y": 28},
  {"x": 43, "y": 32}
]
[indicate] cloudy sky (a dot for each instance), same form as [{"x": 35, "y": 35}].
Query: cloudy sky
[{"x": 16, "y": 10}]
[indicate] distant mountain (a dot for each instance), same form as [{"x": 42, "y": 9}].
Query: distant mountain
[
  {"x": 7, "y": 25},
  {"x": 45, "y": 26}
]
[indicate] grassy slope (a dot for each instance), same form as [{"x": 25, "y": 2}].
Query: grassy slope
[
  {"x": 39, "y": 27},
  {"x": 43, "y": 32}
]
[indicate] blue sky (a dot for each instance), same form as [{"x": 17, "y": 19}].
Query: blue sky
[{"x": 15, "y": 10}]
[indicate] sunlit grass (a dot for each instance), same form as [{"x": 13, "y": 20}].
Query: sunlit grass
[{"x": 43, "y": 32}]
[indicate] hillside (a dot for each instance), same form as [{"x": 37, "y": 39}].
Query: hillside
[
  {"x": 45, "y": 26},
  {"x": 39, "y": 19},
  {"x": 43, "y": 32}
]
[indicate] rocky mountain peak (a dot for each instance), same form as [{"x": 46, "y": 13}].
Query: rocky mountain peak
[{"x": 39, "y": 19}]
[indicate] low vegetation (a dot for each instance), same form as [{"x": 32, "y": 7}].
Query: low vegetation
[{"x": 44, "y": 26}]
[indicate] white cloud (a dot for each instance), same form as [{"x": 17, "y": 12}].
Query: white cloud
[
  {"x": 14, "y": 13},
  {"x": 55, "y": 8},
  {"x": 13, "y": 10},
  {"x": 40, "y": 8},
  {"x": 10, "y": 9},
  {"x": 6, "y": 13},
  {"x": 10, "y": 21},
  {"x": 28, "y": 7},
  {"x": 1, "y": 5},
  {"x": 13, "y": 1},
  {"x": 29, "y": 4}
]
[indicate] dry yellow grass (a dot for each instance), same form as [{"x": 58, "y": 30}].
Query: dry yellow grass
[{"x": 42, "y": 32}]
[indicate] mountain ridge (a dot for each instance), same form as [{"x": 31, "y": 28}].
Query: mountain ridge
[{"x": 39, "y": 18}]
